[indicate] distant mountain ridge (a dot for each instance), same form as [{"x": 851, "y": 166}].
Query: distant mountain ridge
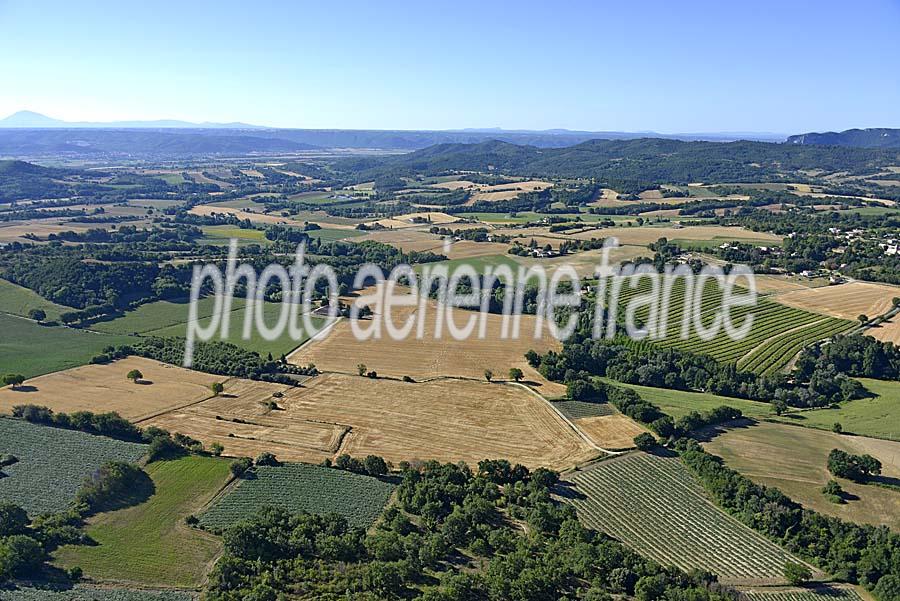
[
  {"x": 876, "y": 137},
  {"x": 33, "y": 120}
]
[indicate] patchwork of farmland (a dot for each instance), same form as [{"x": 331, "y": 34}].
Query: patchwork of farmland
[
  {"x": 299, "y": 487},
  {"x": 652, "y": 504},
  {"x": 777, "y": 334},
  {"x": 53, "y": 463}
]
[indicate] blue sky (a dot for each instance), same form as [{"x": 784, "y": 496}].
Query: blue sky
[{"x": 664, "y": 66}]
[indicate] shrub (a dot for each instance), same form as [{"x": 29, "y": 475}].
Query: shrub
[
  {"x": 269, "y": 459},
  {"x": 797, "y": 573},
  {"x": 240, "y": 467},
  {"x": 645, "y": 441},
  {"x": 113, "y": 482}
]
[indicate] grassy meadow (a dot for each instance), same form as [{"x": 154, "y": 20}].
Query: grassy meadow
[{"x": 150, "y": 542}]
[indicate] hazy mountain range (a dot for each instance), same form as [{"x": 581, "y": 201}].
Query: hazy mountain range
[
  {"x": 32, "y": 120},
  {"x": 30, "y": 134}
]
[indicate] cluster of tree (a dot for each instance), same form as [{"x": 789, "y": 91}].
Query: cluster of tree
[
  {"x": 372, "y": 465},
  {"x": 854, "y": 355},
  {"x": 650, "y": 365},
  {"x": 444, "y": 515},
  {"x": 585, "y": 388},
  {"x": 111, "y": 424},
  {"x": 129, "y": 234},
  {"x": 850, "y": 552},
  {"x": 858, "y": 468},
  {"x": 68, "y": 280},
  {"x": 214, "y": 357},
  {"x": 109, "y": 486},
  {"x": 436, "y": 196},
  {"x": 25, "y": 544},
  {"x": 475, "y": 234}
]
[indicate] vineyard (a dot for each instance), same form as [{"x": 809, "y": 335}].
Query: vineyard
[
  {"x": 652, "y": 504},
  {"x": 776, "y": 336},
  {"x": 53, "y": 463},
  {"x": 82, "y": 593},
  {"x": 301, "y": 487},
  {"x": 579, "y": 409},
  {"x": 821, "y": 594}
]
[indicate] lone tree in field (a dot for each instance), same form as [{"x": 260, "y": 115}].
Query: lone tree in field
[
  {"x": 488, "y": 375},
  {"x": 797, "y": 573},
  {"x": 863, "y": 318},
  {"x": 38, "y": 315},
  {"x": 217, "y": 388},
  {"x": 361, "y": 369},
  {"x": 13, "y": 380},
  {"x": 134, "y": 375},
  {"x": 516, "y": 374}
]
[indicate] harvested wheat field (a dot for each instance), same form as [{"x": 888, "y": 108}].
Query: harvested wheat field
[
  {"x": 404, "y": 221},
  {"x": 444, "y": 419},
  {"x": 774, "y": 284},
  {"x": 407, "y": 238},
  {"x": 448, "y": 420},
  {"x": 615, "y": 431},
  {"x": 846, "y": 300},
  {"x": 18, "y": 231},
  {"x": 646, "y": 235},
  {"x": 103, "y": 388},
  {"x": 887, "y": 332},
  {"x": 432, "y": 356},
  {"x": 206, "y": 210}
]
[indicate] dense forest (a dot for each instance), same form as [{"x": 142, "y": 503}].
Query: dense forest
[{"x": 648, "y": 161}]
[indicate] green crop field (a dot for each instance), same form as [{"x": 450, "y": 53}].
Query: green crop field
[
  {"x": 579, "y": 409},
  {"x": 150, "y": 543},
  {"x": 53, "y": 463},
  {"x": 818, "y": 594},
  {"x": 678, "y": 403},
  {"x": 523, "y": 217},
  {"x": 158, "y": 315},
  {"x": 281, "y": 345},
  {"x": 654, "y": 505},
  {"x": 85, "y": 593},
  {"x": 168, "y": 319},
  {"x": 478, "y": 263},
  {"x": 301, "y": 487},
  {"x": 221, "y": 234},
  {"x": 19, "y": 301},
  {"x": 331, "y": 234},
  {"x": 877, "y": 417},
  {"x": 32, "y": 350},
  {"x": 777, "y": 334}
]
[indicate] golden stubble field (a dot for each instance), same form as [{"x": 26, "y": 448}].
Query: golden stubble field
[
  {"x": 433, "y": 356},
  {"x": 444, "y": 418},
  {"x": 794, "y": 460},
  {"x": 612, "y": 432},
  {"x": 103, "y": 388},
  {"x": 207, "y": 210},
  {"x": 845, "y": 300}
]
